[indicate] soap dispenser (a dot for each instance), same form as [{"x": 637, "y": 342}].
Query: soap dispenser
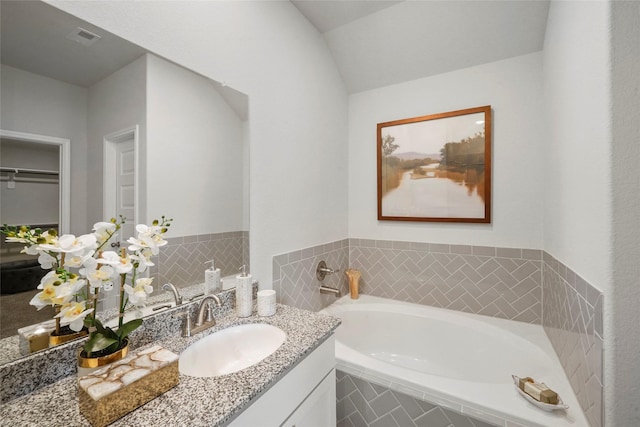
[
  {"x": 244, "y": 293},
  {"x": 212, "y": 282}
]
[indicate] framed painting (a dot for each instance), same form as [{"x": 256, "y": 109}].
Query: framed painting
[{"x": 436, "y": 168}]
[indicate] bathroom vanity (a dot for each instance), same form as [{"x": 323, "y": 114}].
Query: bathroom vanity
[{"x": 294, "y": 384}]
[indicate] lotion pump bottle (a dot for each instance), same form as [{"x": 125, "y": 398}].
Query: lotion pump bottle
[
  {"x": 212, "y": 282},
  {"x": 243, "y": 293}
]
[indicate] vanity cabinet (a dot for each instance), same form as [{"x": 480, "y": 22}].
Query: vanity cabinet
[
  {"x": 319, "y": 408},
  {"x": 304, "y": 397}
]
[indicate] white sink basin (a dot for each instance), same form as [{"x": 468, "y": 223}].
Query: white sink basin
[{"x": 230, "y": 350}]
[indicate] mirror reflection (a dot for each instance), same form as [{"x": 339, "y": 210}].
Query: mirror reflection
[{"x": 94, "y": 127}]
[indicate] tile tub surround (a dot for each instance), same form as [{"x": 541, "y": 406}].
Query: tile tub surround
[
  {"x": 294, "y": 275},
  {"x": 572, "y": 319},
  {"x": 195, "y": 401},
  {"x": 27, "y": 374},
  {"x": 499, "y": 282},
  {"x": 362, "y": 403},
  {"x": 518, "y": 284}
]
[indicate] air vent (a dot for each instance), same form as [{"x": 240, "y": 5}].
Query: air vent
[{"x": 84, "y": 37}]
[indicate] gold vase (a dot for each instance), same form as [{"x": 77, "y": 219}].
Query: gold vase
[
  {"x": 354, "y": 279},
  {"x": 66, "y": 335},
  {"x": 86, "y": 365}
]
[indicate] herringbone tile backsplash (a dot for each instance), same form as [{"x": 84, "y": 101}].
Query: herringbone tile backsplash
[
  {"x": 573, "y": 317},
  {"x": 499, "y": 282},
  {"x": 294, "y": 275},
  {"x": 182, "y": 260}
]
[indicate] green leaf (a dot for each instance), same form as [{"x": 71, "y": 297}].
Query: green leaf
[
  {"x": 127, "y": 328},
  {"x": 98, "y": 342},
  {"x": 107, "y": 332}
]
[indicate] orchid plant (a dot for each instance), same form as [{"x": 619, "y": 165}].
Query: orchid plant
[{"x": 80, "y": 269}]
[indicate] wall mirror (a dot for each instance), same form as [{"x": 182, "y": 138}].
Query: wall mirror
[{"x": 72, "y": 94}]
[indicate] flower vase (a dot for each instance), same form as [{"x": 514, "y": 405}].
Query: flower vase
[
  {"x": 86, "y": 364},
  {"x": 66, "y": 334}
]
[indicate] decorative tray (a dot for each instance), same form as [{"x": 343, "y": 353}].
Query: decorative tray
[{"x": 544, "y": 406}]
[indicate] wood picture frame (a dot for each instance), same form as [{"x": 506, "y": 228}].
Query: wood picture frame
[{"x": 436, "y": 168}]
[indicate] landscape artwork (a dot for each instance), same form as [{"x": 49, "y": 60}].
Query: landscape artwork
[{"x": 436, "y": 168}]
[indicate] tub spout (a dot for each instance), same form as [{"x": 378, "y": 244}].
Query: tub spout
[{"x": 330, "y": 290}]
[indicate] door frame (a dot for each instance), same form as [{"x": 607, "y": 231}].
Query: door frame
[
  {"x": 109, "y": 163},
  {"x": 64, "y": 186}
]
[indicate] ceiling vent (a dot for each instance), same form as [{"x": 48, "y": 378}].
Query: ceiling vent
[{"x": 84, "y": 37}]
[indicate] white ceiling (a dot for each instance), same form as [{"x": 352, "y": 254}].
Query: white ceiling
[
  {"x": 327, "y": 15},
  {"x": 380, "y": 43},
  {"x": 34, "y": 39},
  {"x": 374, "y": 43}
]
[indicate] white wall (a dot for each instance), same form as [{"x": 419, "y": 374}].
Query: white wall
[
  {"x": 44, "y": 106},
  {"x": 592, "y": 87},
  {"x": 298, "y": 105},
  {"x": 117, "y": 102},
  {"x": 194, "y": 152},
  {"x": 246, "y": 176},
  {"x": 622, "y": 375},
  {"x": 577, "y": 188},
  {"x": 513, "y": 88}
]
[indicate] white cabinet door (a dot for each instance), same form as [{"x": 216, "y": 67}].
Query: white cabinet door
[
  {"x": 289, "y": 394},
  {"x": 319, "y": 408}
]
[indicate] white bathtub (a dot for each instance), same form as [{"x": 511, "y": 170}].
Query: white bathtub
[{"x": 457, "y": 360}]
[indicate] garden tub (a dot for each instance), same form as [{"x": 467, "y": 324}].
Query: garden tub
[{"x": 460, "y": 361}]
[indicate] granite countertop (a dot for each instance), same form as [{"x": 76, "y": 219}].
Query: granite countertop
[{"x": 194, "y": 401}]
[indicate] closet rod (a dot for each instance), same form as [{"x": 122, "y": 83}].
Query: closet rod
[{"x": 33, "y": 171}]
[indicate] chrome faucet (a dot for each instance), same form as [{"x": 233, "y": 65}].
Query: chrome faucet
[
  {"x": 176, "y": 295},
  {"x": 202, "y": 323},
  {"x": 322, "y": 270},
  {"x": 329, "y": 290},
  {"x": 205, "y": 305}
]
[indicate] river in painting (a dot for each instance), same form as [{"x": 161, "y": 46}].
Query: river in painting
[{"x": 437, "y": 193}]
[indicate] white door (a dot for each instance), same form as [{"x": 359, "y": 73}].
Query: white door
[
  {"x": 125, "y": 188},
  {"x": 120, "y": 181}
]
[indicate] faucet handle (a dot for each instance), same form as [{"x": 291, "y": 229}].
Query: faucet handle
[
  {"x": 210, "y": 317},
  {"x": 322, "y": 270},
  {"x": 186, "y": 325}
]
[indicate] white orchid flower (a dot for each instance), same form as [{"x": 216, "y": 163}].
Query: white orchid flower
[
  {"x": 148, "y": 238},
  {"x": 49, "y": 279},
  {"x": 43, "y": 299},
  {"x": 79, "y": 260},
  {"x": 120, "y": 264},
  {"x": 98, "y": 276},
  {"x": 47, "y": 261},
  {"x": 68, "y": 243},
  {"x": 30, "y": 250},
  {"x": 73, "y": 314},
  {"x": 142, "y": 243},
  {"x": 17, "y": 239},
  {"x": 144, "y": 260},
  {"x": 56, "y": 292},
  {"x": 138, "y": 294},
  {"x": 103, "y": 231}
]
